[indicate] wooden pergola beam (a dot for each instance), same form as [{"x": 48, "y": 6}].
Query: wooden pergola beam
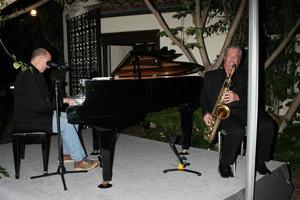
[
  {"x": 5, "y": 3},
  {"x": 25, "y": 10}
]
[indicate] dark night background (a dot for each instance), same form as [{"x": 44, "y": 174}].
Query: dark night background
[{"x": 20, "y": 36}]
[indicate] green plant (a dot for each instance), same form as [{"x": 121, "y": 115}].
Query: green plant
[
  {"x": 3, "y": 172},
  {"x": 198, "y": 130},
  {"x": 280, "y": 79},
  {"x": 167, "y": 123},
  {"x": 16, "y": 64},
  {"x": 19, "y": 64},
  {"x": 287, "y": 147}
]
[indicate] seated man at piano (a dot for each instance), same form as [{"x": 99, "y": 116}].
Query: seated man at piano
[{"x": 34, "y": 110}]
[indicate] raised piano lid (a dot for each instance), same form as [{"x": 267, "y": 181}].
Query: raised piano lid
[{"x": 151, "y": 64}]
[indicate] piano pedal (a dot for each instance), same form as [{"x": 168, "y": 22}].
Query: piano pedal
[{"x": 95, "y": 152}]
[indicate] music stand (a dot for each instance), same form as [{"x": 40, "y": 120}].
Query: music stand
[
  {"x": 136, "y": 61},
  {"x": 61, "y": 169},
  {"x": 181, "y": 165}
]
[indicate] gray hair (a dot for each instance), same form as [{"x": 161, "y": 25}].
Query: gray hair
[{"x": 234, "y": 47}]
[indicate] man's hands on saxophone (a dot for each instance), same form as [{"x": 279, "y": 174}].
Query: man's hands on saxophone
[
  {"x": 227, "y": 98},
  {"x": 208, "y": 118},
  {"x": 230, "y": 97}
]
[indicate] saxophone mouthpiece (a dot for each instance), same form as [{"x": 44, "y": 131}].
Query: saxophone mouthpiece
[{"x": 234, "y": 66}]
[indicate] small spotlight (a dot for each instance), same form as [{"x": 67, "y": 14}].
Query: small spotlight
[{"x": 33, "y": 13}]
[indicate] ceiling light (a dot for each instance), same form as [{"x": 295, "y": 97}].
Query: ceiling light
[{"x": 33, "y": 12}]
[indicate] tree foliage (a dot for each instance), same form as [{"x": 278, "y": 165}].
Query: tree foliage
[
  {"x": 277, "y": 18},
  {"x": 281, "y": 76}
]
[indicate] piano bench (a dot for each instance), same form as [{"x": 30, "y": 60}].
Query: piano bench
[{"x": 20, "y": 139}]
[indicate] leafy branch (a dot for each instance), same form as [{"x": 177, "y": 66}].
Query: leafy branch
[{"x": 16, "y": 64}]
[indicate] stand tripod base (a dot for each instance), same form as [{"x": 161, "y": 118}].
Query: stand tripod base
[
  {"x": 61, "y": 170},
  {"x": 181, "y": 166}
]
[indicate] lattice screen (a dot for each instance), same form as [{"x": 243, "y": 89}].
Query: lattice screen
[{"x": 83, "y": 48}]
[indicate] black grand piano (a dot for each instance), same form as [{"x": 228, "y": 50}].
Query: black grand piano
[{"x": 144, "y": 82}]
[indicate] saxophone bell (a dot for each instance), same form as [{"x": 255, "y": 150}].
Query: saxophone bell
[{"x": 222, "y": 112}]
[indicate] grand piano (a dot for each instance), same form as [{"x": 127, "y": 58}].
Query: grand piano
[{"x": 145, "y": 81}]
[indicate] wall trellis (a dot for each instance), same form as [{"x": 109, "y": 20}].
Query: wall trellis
[{"x": 83, "y": 48}]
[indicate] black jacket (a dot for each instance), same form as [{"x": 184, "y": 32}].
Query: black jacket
[
  {"x": 33, "y": 108},
  {"x": 212, "y": 83}
]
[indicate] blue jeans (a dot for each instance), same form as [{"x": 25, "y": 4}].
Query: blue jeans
[{"x": 71, "y": 142}]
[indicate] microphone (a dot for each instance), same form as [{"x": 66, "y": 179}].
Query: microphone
[{"x": 55, "y": 65}]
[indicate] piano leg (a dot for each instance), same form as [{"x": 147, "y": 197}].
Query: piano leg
[
  {"x": 108, "y": 140},
  {"x": 186, "y": 117}
]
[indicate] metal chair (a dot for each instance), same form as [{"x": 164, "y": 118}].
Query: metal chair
[
  {"x": 222, "y": 133},
  {"x": 20, "y": 139}
]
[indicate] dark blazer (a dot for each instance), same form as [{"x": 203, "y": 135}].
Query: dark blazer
[
  {"x": 33, "y": 109},
  {"x": 212, "y": 83}
]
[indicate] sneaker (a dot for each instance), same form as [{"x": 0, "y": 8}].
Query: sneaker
[
  {"x": 86, "y": 164},
  {"x": 67, "y": 159}
]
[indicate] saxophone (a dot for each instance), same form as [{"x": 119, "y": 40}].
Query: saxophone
[{"x": 220, "y": 110}]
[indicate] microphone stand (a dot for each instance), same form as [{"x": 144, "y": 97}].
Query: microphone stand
[
  {"x": 61, "y": 169},
  {"x": 181, "y": 165},
  {"x": 136, "y": 64}
]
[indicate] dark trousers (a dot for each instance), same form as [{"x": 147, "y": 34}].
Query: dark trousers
[{"x": 235, "y": 129}]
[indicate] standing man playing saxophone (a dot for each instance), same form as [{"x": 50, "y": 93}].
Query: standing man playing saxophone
[{"x": 234, "y": 126}]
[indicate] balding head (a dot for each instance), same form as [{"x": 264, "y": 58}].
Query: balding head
[
  {"x": 39, "y": 59},
  {"x": 39, "y": 52}
]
